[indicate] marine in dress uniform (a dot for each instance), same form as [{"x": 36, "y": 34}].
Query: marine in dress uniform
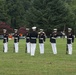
[
  {"x": 53, "y": 37},
  {"x": 33, "y": 37},
  {"x": 5, "y": 41},
  {"x": 41, "y": 36},
  {"x": 70, "y": 40},
  {"x": 16, "y": 41},
  {"x": 27, "y": 40}
]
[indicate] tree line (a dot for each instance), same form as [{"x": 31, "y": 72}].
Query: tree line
[{"x": 46, "y": 14}]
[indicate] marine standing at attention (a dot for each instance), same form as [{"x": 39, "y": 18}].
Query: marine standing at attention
[
  {"x": 70, "y": 40},
  {"x": 27, "y": 41},
  {"x": 33, "y": 40},
  {"x": 16, "y": 41},
  {"x": 42, "y": 37},
  {"x": 53, "y": 37},
  {"x": 5, "y": 41}
]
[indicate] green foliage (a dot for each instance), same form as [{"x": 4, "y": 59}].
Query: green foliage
[
  {"x": 46, "y": 14},
  {"x": 16, "y": 11},
  {"x": 49, "y": 14},
  {"x": 3, "y": 13}
]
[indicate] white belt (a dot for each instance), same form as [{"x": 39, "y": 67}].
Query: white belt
[
  {"x": 41, "y": 38},
  {"x": 5, "y": 38},
  {"x": 70, "y": 38},
  {"x": 33, "y": 38},
  {"x": 53, "y": 38},
  {"x": 27, "y": 37},
  {"x": 16, "y": 38}
]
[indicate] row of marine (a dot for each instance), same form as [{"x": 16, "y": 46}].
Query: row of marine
[{"x": 31, "y": 40}]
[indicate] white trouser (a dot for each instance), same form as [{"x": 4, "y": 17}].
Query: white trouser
[
  {"x": 28, "y": 47},
  {"x": 16, "y": 47},
  {"x": 33, "y": 48},
  {"x": 54, "y": 48},
  {"x": 5, "y": 47},
  {"x": 41, "y": 45},
  {"x": 69, "y": 48}
]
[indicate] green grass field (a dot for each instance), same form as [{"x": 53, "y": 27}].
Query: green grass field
[{"x": 47, "y": 64}]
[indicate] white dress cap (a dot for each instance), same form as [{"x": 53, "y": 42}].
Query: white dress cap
[
  {"x": 55, "y": 29},
  {"x": 69, "y": 29},
  {"x": 33, "y": 27}
]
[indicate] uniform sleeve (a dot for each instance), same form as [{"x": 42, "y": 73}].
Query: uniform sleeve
[
  {"x": 7, "y": 37},
  {"x": 44, "y": 37},
  {"x": 18, "y": 37},
  {"x": 72, "y": 39}
]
